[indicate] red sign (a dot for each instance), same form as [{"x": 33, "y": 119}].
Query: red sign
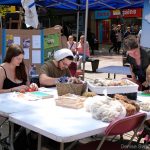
[
  {"x": 126, "y": 13},
  {"x": 129, "y": 13}
]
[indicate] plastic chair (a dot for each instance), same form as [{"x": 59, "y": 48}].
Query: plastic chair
[{"x": 124, "y": 125}]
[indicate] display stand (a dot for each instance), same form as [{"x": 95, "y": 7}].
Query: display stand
[{"x": 37, "y": 44}]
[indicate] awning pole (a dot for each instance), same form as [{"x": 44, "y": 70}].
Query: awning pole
[
  {"x": 85, "y": 34},
  {"x": 77, "y": 32}
]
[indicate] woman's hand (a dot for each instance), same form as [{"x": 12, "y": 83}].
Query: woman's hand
[
  {"x": 24, "y": 88},
  {"x": 34, "y": 86},
  {"x": 20, "y": 88}
]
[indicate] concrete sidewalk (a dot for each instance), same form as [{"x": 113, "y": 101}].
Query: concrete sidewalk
[{"x": 106, "y": 59}]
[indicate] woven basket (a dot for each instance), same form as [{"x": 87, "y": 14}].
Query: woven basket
[{"x": 77, "y": 89}]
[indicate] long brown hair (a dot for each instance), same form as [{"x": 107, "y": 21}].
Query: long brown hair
[{"x": 13, "y": 51}]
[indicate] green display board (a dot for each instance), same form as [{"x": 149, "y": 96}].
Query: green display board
[
  {"x": 51, "y": 40},
  {"x": 51, "y": 43}
]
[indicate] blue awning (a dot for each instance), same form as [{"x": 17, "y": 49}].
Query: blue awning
[
  {"x": 10, "y": 2},
  {"x": 80, "y": 4}
]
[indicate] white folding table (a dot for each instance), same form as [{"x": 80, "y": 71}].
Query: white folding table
[
  {"x": 60, "y": 124},
  {"x": 10, "y": 104},
  {"x": 44, "y": 117}
]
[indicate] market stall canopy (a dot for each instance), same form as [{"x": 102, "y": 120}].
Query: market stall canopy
[{"x": 81, "y": 4}]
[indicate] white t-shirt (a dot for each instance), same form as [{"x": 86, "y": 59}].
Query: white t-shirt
[{"x": 72, "y": 46}]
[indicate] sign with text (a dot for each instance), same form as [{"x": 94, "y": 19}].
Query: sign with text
[
  {"x": 103, "y": 14},
  {"x": 125, "y": 13}
]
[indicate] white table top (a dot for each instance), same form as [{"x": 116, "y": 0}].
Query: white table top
[
  {"x": 115, "y": 69},
  {"x": 9, "y": 103},
  {"x": 60, "y": 124}
]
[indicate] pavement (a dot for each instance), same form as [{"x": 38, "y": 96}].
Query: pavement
[{"x": 105, "y": 59}]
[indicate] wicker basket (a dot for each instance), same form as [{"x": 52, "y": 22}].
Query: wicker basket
[{"x": 64, "y": 88}]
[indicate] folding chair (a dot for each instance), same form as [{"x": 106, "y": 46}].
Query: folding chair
[{"x": 124, "y": 125}]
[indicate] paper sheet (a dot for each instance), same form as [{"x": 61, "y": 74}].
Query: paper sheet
[
  {"x": 36, "y": 41},
  {"x": 36, "y": 56},
  {"x": 26, "y": 53},
  {"x": 16, "y": 40}
]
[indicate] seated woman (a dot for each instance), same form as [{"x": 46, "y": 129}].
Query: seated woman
[
  {"x": 13, "y": 73},
  {"x": 72, "y": 45},
  {"x": 80, "y": 50},
  {"x": 13, "y": 77},
  {"x": 52, "y": 70}
]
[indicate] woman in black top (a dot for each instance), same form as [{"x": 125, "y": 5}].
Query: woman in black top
[
  {"x": 138, "y": 59},
  {"x": 13, "y": 73}
]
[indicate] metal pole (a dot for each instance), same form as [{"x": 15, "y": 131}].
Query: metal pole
[
  {"x": 77, "y": 38},
  {"x": 85, "y": 34}
]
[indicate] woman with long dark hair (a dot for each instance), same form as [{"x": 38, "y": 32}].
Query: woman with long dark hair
[{"x": 13, "y": 73}]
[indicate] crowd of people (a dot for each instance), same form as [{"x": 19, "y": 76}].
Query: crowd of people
[{"x": 117, "y": 36}]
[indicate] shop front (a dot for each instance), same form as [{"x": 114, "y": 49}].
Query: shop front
[{"x": 125, "y": 17}]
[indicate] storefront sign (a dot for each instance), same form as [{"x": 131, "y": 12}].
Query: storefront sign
[
  {"x": 125, "y": 13},
  {"x": 103, "y": 14},
  {"x": 129, "y": 13}
]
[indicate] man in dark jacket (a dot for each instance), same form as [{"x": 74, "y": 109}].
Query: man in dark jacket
[{"x": 113, "y": 40}]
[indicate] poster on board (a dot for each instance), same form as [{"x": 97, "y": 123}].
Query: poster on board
[
  {"x": 146, "y": 25},
  {"x": 51, "y": 43}
]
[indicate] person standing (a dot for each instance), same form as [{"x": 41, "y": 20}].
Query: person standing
[
  {"x": 127, "y": 32},
  {"x": 139, "y": 36},
  {"x": 113, "y": 39},
  {"x": 139, "y": 60},
  {"x": 119, "y": 38}
]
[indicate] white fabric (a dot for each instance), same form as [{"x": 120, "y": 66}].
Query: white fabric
[
  {"x": 105, "y": 109},
  {"x": 62, "y": 53},
  {"x": 31, "y": 17}
]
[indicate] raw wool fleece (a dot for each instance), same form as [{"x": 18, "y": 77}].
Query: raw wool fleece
[{"x": 104, "y": 109}]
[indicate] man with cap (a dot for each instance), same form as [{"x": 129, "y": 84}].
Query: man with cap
[{"x": 52, "y": 70}]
